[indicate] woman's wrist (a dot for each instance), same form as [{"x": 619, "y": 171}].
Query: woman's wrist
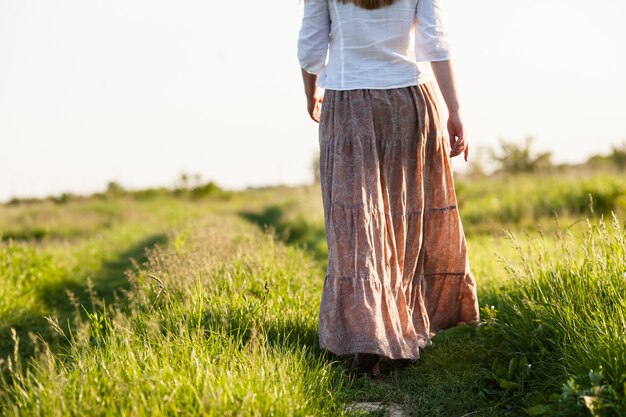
[
  {"x": 445, "y": 80},
  {"x": 309, "y": 81}
]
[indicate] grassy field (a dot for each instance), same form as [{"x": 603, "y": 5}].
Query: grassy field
[{"x": 153, "y": 304}]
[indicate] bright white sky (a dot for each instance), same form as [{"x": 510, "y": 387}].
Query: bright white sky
[{"x": 138, "y": 91}]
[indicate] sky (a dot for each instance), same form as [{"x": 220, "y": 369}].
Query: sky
[{"x": 139, "y": 91}]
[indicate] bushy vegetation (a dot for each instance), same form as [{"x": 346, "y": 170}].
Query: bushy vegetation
[
  {"x": 525, "y": 200},
  {"x": 513, "y": 158},
  {"x": 519, "y": 158}
]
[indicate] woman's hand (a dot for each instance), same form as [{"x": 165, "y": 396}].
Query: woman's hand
[
  {"x": 458, "y": 139},
  {"x": 314, "y": 95},
  {"x": 314, "y": 104},
  {"x": 445, "y": 79}
]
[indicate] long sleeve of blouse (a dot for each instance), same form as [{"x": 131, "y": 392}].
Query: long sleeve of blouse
[
  {"x": 350, "y": 47},
  {"x": 432, "y": 42},
  {"x": 314, "y": 36}
]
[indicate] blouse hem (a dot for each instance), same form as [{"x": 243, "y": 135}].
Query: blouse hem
[{"x": 370, "y": 87}]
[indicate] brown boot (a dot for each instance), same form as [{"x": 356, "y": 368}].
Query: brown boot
[{"x": 367, "y": 363}]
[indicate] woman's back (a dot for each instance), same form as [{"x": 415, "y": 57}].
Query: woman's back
[{"x": 377, "y": 48}]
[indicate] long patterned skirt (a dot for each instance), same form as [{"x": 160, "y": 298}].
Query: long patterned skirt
[{"x": 398, "y": 269}]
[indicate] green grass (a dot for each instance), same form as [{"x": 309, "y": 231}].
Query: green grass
[
  {"x": 562, "y": 326},
  {"x": 38, "y": 276},
  {"x": 214, "y": 342},
  {"x": 523, "y": 201},
  {"x": 165, "y": 305}
]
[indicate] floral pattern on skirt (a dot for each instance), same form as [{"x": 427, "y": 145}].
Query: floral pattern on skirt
[{"x": 398, "y": 269}]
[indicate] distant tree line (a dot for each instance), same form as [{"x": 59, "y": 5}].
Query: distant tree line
[
  {"x": 514, "y": 158},
  {"x": 190, "y": 186},
  {"x": 185, "y": 186}
]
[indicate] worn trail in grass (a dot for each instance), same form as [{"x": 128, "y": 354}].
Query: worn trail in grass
[{"x": 82, "y": 251}]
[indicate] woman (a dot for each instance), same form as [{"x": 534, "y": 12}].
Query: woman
[{"x": 398, "y": 270}]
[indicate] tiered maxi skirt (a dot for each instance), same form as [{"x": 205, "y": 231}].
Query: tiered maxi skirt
[{"x": 398, "y": 270}]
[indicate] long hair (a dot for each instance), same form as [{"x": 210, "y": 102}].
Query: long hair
[{"x": 368, "y": 4}]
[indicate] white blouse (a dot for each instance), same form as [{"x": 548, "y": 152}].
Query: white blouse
[{"x": 349, "y": 47}]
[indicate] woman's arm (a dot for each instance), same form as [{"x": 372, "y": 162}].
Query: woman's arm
[
  {"x": 313, "y": 42},
  {"x": 314, "y": 95},
  {"x": 445, "y": 79},
  {"x": 432, "y": 44}
]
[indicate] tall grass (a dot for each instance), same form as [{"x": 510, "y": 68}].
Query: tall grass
[
  {"x": 36, "y": 274},
  {"x": 22, "y": 268},
  {"x": 489, "y": 204},
  {"x": 164, "y": 306},
  {"x": 221, "y": 323},
  {"x": 562, "y": 326},
  {"x": 47, "y": 220}
]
